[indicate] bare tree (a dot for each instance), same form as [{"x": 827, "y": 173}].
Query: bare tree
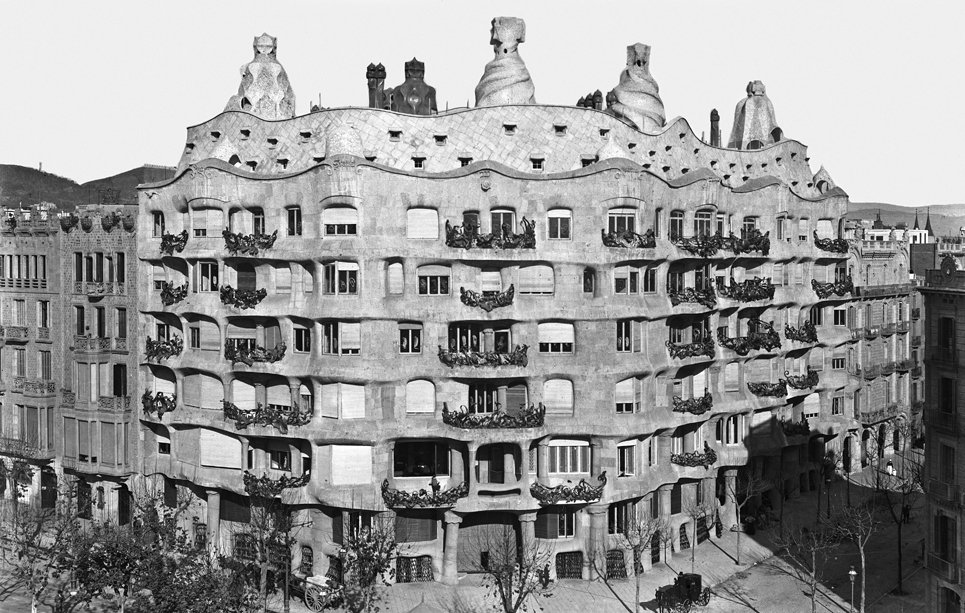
[
  {"x": 636, "y": 536},
  {"x": 512, "y": 570},
  {"x": 829, "y": 465},
  {"x": 809, "y": 549},
  {"x": 743, "y": 489},
  {"x": 697, "y": 511},
  {"x": 857, "y": 524}
]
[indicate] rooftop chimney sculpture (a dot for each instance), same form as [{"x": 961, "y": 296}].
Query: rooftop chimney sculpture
[
  {"x": 264, "y": 90},
  {"x": 505, "y": 79}
]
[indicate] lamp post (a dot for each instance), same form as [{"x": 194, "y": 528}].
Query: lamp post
[{"x": 851, "y": 575}]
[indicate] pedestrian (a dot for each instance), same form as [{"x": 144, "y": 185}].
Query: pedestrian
[{"x": 905, "y": 514}]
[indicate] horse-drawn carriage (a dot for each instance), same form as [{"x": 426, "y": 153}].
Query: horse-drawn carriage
[
  {"x": 683, "y": 595},
  {"x": 317, "y": 592}
]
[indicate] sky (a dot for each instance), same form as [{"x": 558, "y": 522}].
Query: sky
[{"x": 875, "y": 89}]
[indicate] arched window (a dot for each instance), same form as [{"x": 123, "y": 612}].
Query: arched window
[
  {"x": 396, "y": 278},
  {"x": 340, "y": 220},
  {"x": 420, "y": 397},
  {"x": 503, "y": 221},
  {"x": 676, "y": 224},
  {"x": 703, "y": 223},
  {"x": 622, "y": 219}
]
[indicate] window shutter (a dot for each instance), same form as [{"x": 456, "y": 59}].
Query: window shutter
[
  {"x": 350, "y": 336},
  {"x": 825, "y": 228},
  {"x": 212, "y": 392},
  {"x": 329, "y": 400},
  {"x": 199, "y": 219},
  {"x": 243, "y": 394},
  {"x": 340, "y": 215},
  {"x": 420, "y": 397},
  {"x": 558, "y": 395},
  {"x": 280, "y": 395},
  {"x": 490, "y": 281},
  {"x": 353, "y": 401},
  {"x": 422, "y": 223},
  {"x": 108, "y": 444},
  {"x": 732, "y": 377},
  {"x": 215, "y": 223},
  {"x": 515, "y": 398},
  {"x": 700, "y": 382},
  {"x": 536, "y": 280},
  {"x": 433, "y": 270},
  {"x": 219, "y": 450},
  {"x": 396, "y": 278},
  {"x": 661, "y": 391},
  {"x": 210, "y": 335},
  {"x": 31, "y": 427},
  {"x": 637, "y": 340},
  {"x": 157, "y": 272},
  {"x": 192, "y": 391},
  {"x": 162, "y": 384},
  {"x": 105, "y": 378},
  {"x": 239, "y": 332},
  {"x": 623, "y": 392},
  {"x": 283, "y": 280},
  {"x": 547, "y": 525},
  {"x": 812, "y": 404},
  {"x": 70, "y": 437},
  {"x": 351, "y": 464},
  {"x": 554, "y": 332},
  {"x": 416, "y": 529}
]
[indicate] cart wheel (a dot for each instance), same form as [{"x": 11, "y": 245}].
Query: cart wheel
[{"x": 315, "y": 598}]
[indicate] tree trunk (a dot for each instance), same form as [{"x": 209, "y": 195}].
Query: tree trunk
[
  {"x": 636, "y": 593},
  {"x": 33, "y": 603},
  {"x": 737, "y": 512},
  {"x": 863, "y": 574},
  {"x": 900, "y": 587},
  {"x": 263, "y": 586},
  {"x": 817, "y": 520},
  {"x": 814, "y": 582}
]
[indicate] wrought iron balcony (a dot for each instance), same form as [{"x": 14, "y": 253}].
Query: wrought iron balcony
[
  {"x": 266, "y": 487},
  {"x": 833, "y": 245},
  {"x": 807, "y": 333},
  {"x": 277, "y": 416},
  {"x": 531, "y": 417},
  {"x": 114, "y": 403},
  {"x": 239, "y": 352},
  {"x": 424, "y": 499},
  {"x": 887, "y": 368},
  {"x": 34, "y": 387},
  {"x": 242, "y": 298},
  {"x": 837, "y": 288},
  {"x": 902, "y": 327},
  {"x": 487, "y": 302},
  {"x": 14, "y": 333},
  {"x": 872, "y": 333},
  {"x": 705, "y": 297},
  {"x": 796, "y": 428},
  {"x": 691, "y": 350},
  {"x": 247, "y": 244},
  {"x": 581, "y": 492},
  {"x": 750, "y": 290},
  {"x": 916, "y": 341},
  {"x": 173, "y": 294},
  {"x": 91, "y": 343},
  {"x": 802, "y": 382},
  {"x": 174, "y": 242},
  {"x": 697, "y": 405},
  {"x": 517, "y": 357},
  {"x": 916, "y": 371},
  {"x": 468, "y": 237},
  {"x": 763, "y": 338},
  {"x": 161, "y": 350},
  {"x": 904, "y": 365},
  {"x": 871, "y": 372},
  {"x": 750, "y": 240},
  {"x": 99, "y": 288},
  {"x": 888, "y": 329},
  {"x": 704, "y": 245},
  {"x": 158, "y": 404},
  {"x": 628, "y": 239},
  {"x": 30, "y": 450},
  {"x": 916, "y": 314},
  {"x": 764, "y": 388},
  {"x": 695, "y": 458}
]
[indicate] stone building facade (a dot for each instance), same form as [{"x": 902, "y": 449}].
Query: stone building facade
[{"x": 520, "y": 315}]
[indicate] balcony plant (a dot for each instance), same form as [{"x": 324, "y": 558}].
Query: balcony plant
[
  {"x": 279, "y": 417},
  {"x": 173, "y": 242},
  {"x": 235, "y": 353},
  {"x": 802, "y": 382},
  {"x": 833, "y": 245},
  {"x": 695, "y": 458},
  {"x": 172, "y": 294},
  {"x": 690, "y": 350},
  {"x": 155, "y": 351},
  {"x": 804, "y": 334},
  {"x": 697, "y": 405},
  {"x": 158, "y": 404}
]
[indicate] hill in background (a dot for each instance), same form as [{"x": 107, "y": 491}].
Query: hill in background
[
  {"x": 946, "y": 219},
  {"x": 23, "y": 185}
]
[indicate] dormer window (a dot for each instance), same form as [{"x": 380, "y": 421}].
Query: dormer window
[
  {"x": 272, "y": 142},
  {"x": 604, "y": 132},
  {"x": 509, "y": 129},
  {"x": 215, "y": 135},
  {"x": 395, "y": 135},
  {"x": 441, "y": 139},
  {"x": 537, "y": 163},
  {"x": 559, "y": 130},
  {"x": 465, "y": 161},
  {"x": 245, "y": 134},
  {"x": 419, "y": 163}
]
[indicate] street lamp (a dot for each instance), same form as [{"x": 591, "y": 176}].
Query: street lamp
[{"x": 851, "y": 575}]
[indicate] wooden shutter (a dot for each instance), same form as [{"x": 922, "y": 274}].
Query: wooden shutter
[
  {"x": 420, "y": 397},
  {"x": 351, "y": 464},
  {"x": 350, "y": 336},
  {"x": 623, "y": 392},
  {"x": 433, "y": 270},
  {"x": 272, "y": 336},
  {"x": 329, "y": 400},
  {"x": 422, "y": 223},
  {"x": 825, "y": 228},
  {"x": 70, "y": 437},
  {"x": 340, "y": 215},
  {"x": 243, "y": 394},
  {"x": 554, "y": 332},
  {"x": 515, "y": 398},
  {"x": 162, "y": 384},
  {"x": 212, "y": 392},
  {"x": 283, "y": 280},
  {"x": 31, "y": 426},
  {"x": 547, "y": 525},
  {"x": 241, "y": 332},
  {"x": 219, "y": 449},
  {"x": 490, "y": 281},
  {"x": 192, "y": 391},
  {"x": 732, "y": 377},
  {"x": 661, "y": 391},
  {"x": 83, "y": 438},
  {"x": 210, "y": 335},
  {"x": 396, "y": 278},
  {"x": 558, "y": 395},
  {"x": 536, "y": 280},
  {"x": 700, "y": 382},
  {"x": 280, "y": 395},
  {"x": 104, "y": 376},
  {"x": 353, "y": 401},
  {"x": 199, "y": 219},
  {"x": 414, "y": 527}
]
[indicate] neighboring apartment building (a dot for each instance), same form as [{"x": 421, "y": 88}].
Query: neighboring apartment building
[
  {"x": 549, "y": 318},
  {"x": 944, "y": 293}
]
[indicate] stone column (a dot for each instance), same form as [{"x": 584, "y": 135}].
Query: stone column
[
  {"x": 214, "y": 521},
  {"x": 596, "y": 543},
  {"x": 457, "y": 468},
  {"x": 543, "y": 460},
  {"x": 260, "y": 335},
  {"x": 296, "y": 454},
  {"x": 664, "y": 493},
  {"x": 728, "y": 516},
  {"x": 390, "y": 467},
  {"x": 471, "y": 472},
  {"x": 509, "y": 463},
  {"x": 596, "y": 457},
  {"x": 527, "y": 524},
  {"x": 450, "y": 554},
  {"x": 245, "y": 446},
  {"x": 524, "y": 464}
]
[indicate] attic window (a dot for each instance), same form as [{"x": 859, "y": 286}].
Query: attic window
[
  {"x": 370, "y": 158},
  {"x": 509, "y": 129},
  {"x": 441, "y": 139},
  {"x": 604, "y": 132},
  {"x": 588, "y": 161},
  {"x": 810, "y": 184},
  {"x": 764, "y": 165},
  {"x": 793, "y": 183},
  {"x": 726, "y": 177},
  {"x": 666, "y": 168},
  {"x": 647, "y": 165},
  {"x": 682, "y": 135},
  {"x": 697, "y": 150},
  {"x": 215, "y": 135},
  {"x": 537, "y": 163},
  {"x": 318, "y": 160},
  {"x": 272, "y": 142},
  {"x": 234, "y": 160},
  {"x": 684, "y": 170},
  {"x": 559, "y": 130},
  {"x": 283, "y": 163},
  {"x": 251, "y": 164},
  {"x": 668, "y": 148},
  {"x": 395, "y": 135},
  {"x": 188, "y": 148},
  {"x": 793, "y": 155},
  {"x": 748, "y": 167},
  {"x": 744, "y": 178},
  {"x": 305, "y": 135},
  {"x": 778, "y": 160},
  {"x": 631, "y": 145},
  {"x": 713, "y": 163},
  {"x": 652, "y": 153},
  {"x": 732, "y": 164},
  {"x": 465, "y": 161},
  {"x": 245, "y": 134},
  {"x": 418, "y": 162}
]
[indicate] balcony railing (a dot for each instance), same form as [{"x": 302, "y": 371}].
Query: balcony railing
[
  {"x": 871, "y": 333},
  {"x": 796, "y": 428},
  {"x": 93, "y": 467},
  {"x": 904, "y": 365},
  {"x": 239, "y": 352},
  {"x": 468, "y": 237},
  {"x": 99, "y": 288},
  {"x": 888, "y": 329},
  {"x": 114, "y": 403},
  {"x": 705, "y": 297},
  {"x": 764, "y": 388},
  {"x": 278, "y": 416},
  {"x": 531, "y": 417},
  {"x": 903, "y": 327},
  {"x": 916, "y": 314},
  {"x": 517, "y": 357},
  {"x": 423, "y": 499},
  {"x": 802, "y": 382},
  {"x": 695, "y": 458},
  {"x": 242, "y": 298},
  {"x": 916, "y": 371},
  {"x": 266, "y": 487},
  {"x": 916, "y": 341},
  {"x": 833, "y": 245},
  {"x": 34, "y": 387},
  {"x": 837, "y": 288},
  {"x": 173, "y": 294},
  {"x": 871, "y": 372},
  {"x": 629, "y": 239},
  {"x": 691, "y": 350},
  {"x": 158, "y": 404},
  {"x": 485, "y": 301},
  {"x": 91, "y": 343},
  {"x": 174, "y": 242},
  {"x": 24, "y": 449},
  {"x": 803, "y": 334},
  {"x": 943, "y": 568},
  {"x": 763, "y": 338},
  {"x": 697, "y": 405},
  {"x": 247, "y": 244},
  {"x": 14, "y": 333},
  {"x": 581, "y": 492},
  {"x": 750, "y": 290},
  {"x": 155, "y": 351},
  {"x": 888, "y": 368}
]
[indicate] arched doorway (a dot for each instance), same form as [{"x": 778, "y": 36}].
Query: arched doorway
[
  {"x": 865, "y": 439},
  {"x": 882, "y": 440},
  {"x": 846, "y": 453}
]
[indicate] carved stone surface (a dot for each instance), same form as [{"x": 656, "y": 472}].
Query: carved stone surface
[
  {"x": 804, "y": 334},
  {"x": 834, "y": 245},
  {"x": 765, "y": 337},
  {"x": 173, "y": 294},
  {"x": 264, "y": 90},
  {"x": 155, "y": 351},
  {"x": 838, "y": 288},
  {"x": 629, "y": 239},
  {"x": 763, "y": 388},
  {"x": 517, "y": 357},
  {"x": 68, "y": 222},
  {"x": 110, "y": 221},
  {"x": 247, "y": 244},
  {"x": 531, "y": 417},
  {"x": 158, "y": 404},
  {"x": 467, "y": 237},
  {"x": 581, "y": 492},
  {"x": 802, "y": 382},
  {"x": 241, "y": 353},
  {"x": 174, "y": 242},
  {"x": 695, "y": 458},
  {"x": 705, "y": 297},
  {"x": 266, "y": 487},
  {"x": 414, "y": 96},
  {"x": 691, "y": 350},
  {"x": 422, "y": 498},
  {"x": 637, "y": 96},
  {"x": 749, "y": 290},
  {"x": 755, "y": 125},
  {"x": 267, "y": 415},
  {"x": 242, "y": 298},
  {"x": 487, "y": 303},
  {"x": 505, "y": 79},
  {"x": 697, "y": 405}
]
